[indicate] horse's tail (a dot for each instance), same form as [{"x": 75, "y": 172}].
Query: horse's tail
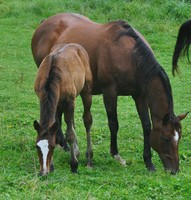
[{"x": 182, "y": 44}]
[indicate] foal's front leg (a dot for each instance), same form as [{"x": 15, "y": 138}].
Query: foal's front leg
[{"x": 71, "y": 135}]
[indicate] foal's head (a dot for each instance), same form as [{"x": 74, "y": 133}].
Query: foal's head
[
  {"x": 165, "y": 142},
  {"x": 45, "y": 144}
]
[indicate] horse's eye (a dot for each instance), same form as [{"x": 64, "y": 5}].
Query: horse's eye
[{"x": 166, "y": 139}]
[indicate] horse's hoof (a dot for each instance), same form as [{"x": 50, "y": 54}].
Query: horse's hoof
[
  {"x": 74, "y": 171},
  {"x": 89, "y": 165},
  {"x": 120, "y": 160}
]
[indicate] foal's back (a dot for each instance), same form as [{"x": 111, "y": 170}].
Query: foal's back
[{"x": 66, "y": 69}]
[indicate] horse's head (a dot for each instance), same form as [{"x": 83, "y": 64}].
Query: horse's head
[
  {"x": 45, "y": 144},
  {"x": 165, "y": 140}
]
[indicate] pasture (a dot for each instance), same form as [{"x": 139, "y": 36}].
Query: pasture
[{"x": 19, "y": 107}]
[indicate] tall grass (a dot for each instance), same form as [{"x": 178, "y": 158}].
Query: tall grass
[{"x": 158, "y": 21}]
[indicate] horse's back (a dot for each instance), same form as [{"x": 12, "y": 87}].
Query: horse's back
[
  {"x": 109, "y": 55},
  {"x": 48, "y": 32}
]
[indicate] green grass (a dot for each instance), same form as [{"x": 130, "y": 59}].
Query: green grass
[{"x": 159, "y": 23}]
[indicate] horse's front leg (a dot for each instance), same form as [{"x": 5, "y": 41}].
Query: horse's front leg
[
  {"x": 142, "y": 109},
  {"x": 110, "y": 102},
  {"x": 87, "y": 117},
  {"x": 71, "y": 135}
]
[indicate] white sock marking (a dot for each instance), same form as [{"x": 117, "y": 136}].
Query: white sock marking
[
  {"x": 176, "y": 136},
  {"x": 43, "y": 144}
]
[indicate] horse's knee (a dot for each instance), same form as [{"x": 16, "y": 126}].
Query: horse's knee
[{"x": 70, "y": 137}]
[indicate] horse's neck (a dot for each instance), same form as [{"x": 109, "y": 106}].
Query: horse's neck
[{"x": 157, "y": 100}]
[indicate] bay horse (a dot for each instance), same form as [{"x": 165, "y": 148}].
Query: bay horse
[
  {"x": 122, "y": 63},
  {"x": 182, "y": 44},
  {"x": 62, "y": 75}
]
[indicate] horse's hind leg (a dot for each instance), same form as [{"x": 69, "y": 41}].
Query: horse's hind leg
[
  {"x": 87, "y": 117},
  {"x": 142, "y": 110},
  {"x": 71, "y": 135},
  {"x": 110, "y": 101}
]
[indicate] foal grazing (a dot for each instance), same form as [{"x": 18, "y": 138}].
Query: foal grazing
[
  {"x": 122, "y": 63},
  {"x": 62, "y": 76},
  {"x": 182, "y": 44}
]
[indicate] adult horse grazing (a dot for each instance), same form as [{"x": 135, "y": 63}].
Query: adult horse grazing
[
  {"x": 182, "y": 44},
  {"x": 62, "y": 76},
  {"x": 122, "y": 63}
]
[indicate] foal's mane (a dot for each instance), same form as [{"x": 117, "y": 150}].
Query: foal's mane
[
  {"x": 49, "y": 90},
  {"x": 144, "y": 60}
]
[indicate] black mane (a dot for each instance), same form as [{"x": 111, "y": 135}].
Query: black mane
[{"x": 144, "y": 60}]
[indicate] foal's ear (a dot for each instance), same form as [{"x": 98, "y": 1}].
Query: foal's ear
[
  {"x": 182, "y": 116},
  {"x": 166, "y": 118},
  {"x": 54, "y": 127},
  {"x": 36, "y": 126}
]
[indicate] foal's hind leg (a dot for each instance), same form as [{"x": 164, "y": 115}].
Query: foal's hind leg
[
  {"x": 87, "y": 117},
  {"x": 110, "y": 101},
  {"x": 71, "y": 135},
  {"x": 142, "y": 110},
  {"x": 60, "y": 139}
]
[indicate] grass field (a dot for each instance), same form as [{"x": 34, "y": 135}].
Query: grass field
[{"x": 159, "y": 23}]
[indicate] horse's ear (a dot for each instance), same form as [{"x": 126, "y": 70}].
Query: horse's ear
[
  {"x": 182, "y": 116},
  {"x": 54, "y": 128},
  {"x": 166, "y": 118},
  {"x": 36, "y": 126}
]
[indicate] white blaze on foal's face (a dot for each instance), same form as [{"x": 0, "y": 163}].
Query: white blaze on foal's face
[
  {"x": 43, "y": 145},
  {"x": 176, "y": 136}
]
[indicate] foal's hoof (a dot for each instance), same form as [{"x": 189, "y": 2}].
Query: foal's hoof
[
  {"x": 120, "y": 160},
  {"x": 74, "y": 167},
  {"x": 151, "y": 168}
]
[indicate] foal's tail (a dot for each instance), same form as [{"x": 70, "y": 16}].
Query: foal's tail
[{"x": 182, "y": 44}]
